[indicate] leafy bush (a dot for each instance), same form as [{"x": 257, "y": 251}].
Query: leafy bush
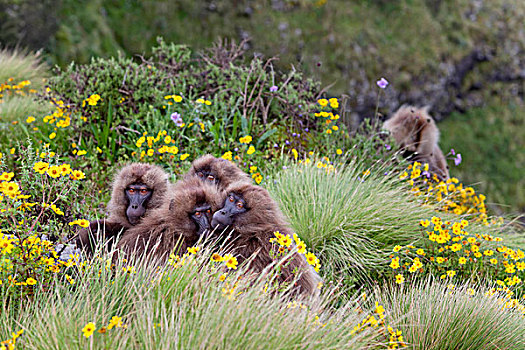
[
  {"x": 450, "y": 252},
  {"x": 35, "y": 211},
  {"x": 172, "y": 106}
]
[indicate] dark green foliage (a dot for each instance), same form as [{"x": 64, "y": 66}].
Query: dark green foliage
[
  {"x": 133, "y": 100},
  {"x": 491, "y": 143}
]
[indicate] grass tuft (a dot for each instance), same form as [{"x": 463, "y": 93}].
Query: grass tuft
[
  {"x": 184, "y": 307},
  {"x": 435, "y": 316},
  {"x": 20, "y": 65},
  {"x": 351, "y": 220}
]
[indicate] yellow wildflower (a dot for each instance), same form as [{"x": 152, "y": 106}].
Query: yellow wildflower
[
  {"x": 193, "y": 250},
  {"x": 395, "y": 263},
  {"x": 311, "y": 258},
  {"x": 6, "y": 176},
  {"x": 231, "y": 261},
  {"x": 88, "y": 329},
  {"x": 227, "y": 155},
  {"x": 323, "y": 102},
  {"x": 115, "y": 322},
  {"x": 217, "y": 257},
  {"x": 54, "y": 171},
  {"x": 77, "y": 175},
  {"x": 246, "y": 139}
]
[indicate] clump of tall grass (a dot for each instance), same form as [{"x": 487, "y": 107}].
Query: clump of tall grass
[
  {"x": 436, "y": 316},
  {"x": 20, "y": 65},
  {"x": 352, "y": 217},
  {"x": 19, "y": 108},
  {"x": 180, "y": 307},
  {"x": 22, "y": 74}
]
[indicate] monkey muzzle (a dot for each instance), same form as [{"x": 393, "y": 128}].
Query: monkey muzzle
[
  {"x": 135, "y": 212},
  {"x": 221, "y": 219}
]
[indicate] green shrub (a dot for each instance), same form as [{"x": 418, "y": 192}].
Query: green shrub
[
  {"x": 35, "y": 211},
  {"x": 112, "y": 103}
]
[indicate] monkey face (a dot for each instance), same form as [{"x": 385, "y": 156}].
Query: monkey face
[
  {"x": 138, "y": 196},
  {"x": 207, "y": 175},
  {"x": 233, "y": 205},
  {"x": 202, "y": 217}
]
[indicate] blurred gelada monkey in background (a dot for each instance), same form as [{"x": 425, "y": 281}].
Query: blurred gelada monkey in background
[{"x": 416, "y": 133}]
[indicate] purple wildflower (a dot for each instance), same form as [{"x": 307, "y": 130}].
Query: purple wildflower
[
  {"x": 287, "y": 142},
  {"x": 294, "y": 134},
  {"x": 426, "y": 173},
  {"x": 236, "y": 149},
  {"x": 388, "y": 147},
  {"x": 306, "y": 130},
  {"x": 273, "y": 88},
  {"x": 382, "y": 83},
  {"x": 452, "y": 151},
  {"x": 177, "y": 119},
  {"x": 458, "y": 159}
]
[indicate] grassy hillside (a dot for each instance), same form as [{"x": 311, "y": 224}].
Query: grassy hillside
[
  {"x": 399, "y": 253},
  {"x": 346, "y": 45}
]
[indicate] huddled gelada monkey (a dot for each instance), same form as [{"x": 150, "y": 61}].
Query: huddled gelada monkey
[
  {"x": 254, "y": 217},
  {"x": 217, "y": 170},
  {"x": 416, "y": 132},
  {"x": 137, "y": 189},
  {"x": 179, "y": 223}
]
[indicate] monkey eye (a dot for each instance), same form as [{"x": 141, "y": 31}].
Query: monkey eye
[
  {"x": 240, "y": 205},
  {"x": 131, "y": 190},
  {"x": 198, "y": 214},
  {"x": 231, "y": 198},
  {"x": 143, "y": 191},
  {"x": 200, "y": 174},
  {"x": 211, "y": 177},
  {"x": 208, "y": 211}
]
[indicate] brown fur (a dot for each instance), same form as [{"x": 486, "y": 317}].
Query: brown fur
[
  {"x": 152, "y": 176},
  {"x": 415, "y": 131},
  {"x": 253, "y": 230},
  {"x": 159, "y": 233},
  {"x": 225, "y": 171}
]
